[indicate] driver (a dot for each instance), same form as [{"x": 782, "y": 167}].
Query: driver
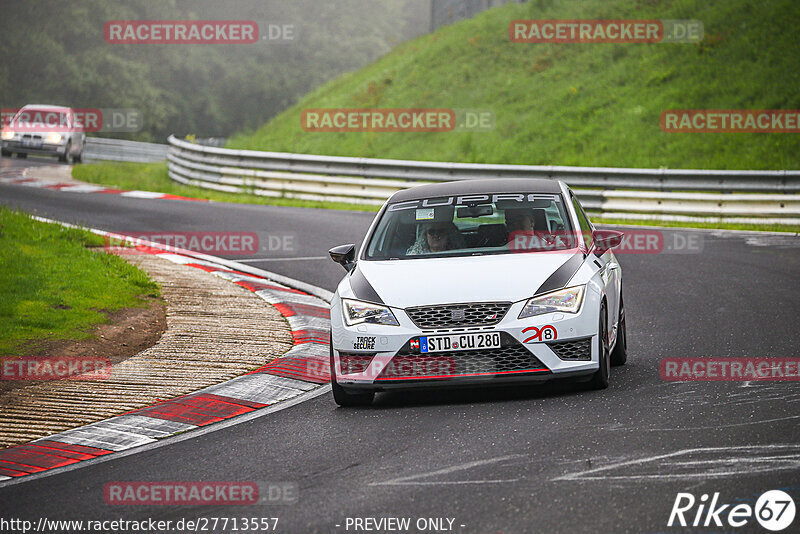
[
  {"x": 521, "y": 229},
  {"x": 519, "y": 220},
  {"x": 437, "y": 237}
]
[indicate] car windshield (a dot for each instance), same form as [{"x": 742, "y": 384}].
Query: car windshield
[
  {"x": 41, "y": 117},
  {"x": 472, "y": 225}
]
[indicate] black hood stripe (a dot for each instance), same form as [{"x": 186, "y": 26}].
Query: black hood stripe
[
  {"x": 361, "y": 287},
  {"x": 562, "y": 275}
]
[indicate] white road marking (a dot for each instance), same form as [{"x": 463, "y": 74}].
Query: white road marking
[
  {"x": 261, "y": 387},
  {"x": 736, "y": 461},
  {"x": 101, "y": 437},
  {"x": 412, "y": 480},
  {"x": 83, "y": 188},
  {"x": 142, "y": 194},
  {"x": 777, "y": 397},
  {"x": 274, "y": 296},
  {"x": 733, "y": 461},
  {"x": 713, "y": 427}
]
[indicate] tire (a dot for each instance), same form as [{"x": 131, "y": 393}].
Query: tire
[
  {"x": 345, "y": 399},
  {"x": 5, "y": 153},
  {"x": 65, "y": 158},
  {"x": 599, "y": 380},
  {"x": 620, "y": 353},
  {"x": 21, "y": 155}
]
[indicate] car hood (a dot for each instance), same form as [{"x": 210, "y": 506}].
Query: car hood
[{"x": 419, "y": 282}]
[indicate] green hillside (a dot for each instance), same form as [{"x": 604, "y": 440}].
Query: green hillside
[{"x": 574, "y": 104}]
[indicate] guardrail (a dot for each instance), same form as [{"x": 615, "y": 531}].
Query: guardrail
[
  {"x": 102, "y": 149},
  {"x": 738, "y": 196}
]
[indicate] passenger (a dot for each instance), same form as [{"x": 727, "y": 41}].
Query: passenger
[{"x": 437, "y": 237}]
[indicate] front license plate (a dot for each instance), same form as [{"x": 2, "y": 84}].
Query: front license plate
[
  {"x": 487, "y": 340},
  {"x": 31, "y": 143}
]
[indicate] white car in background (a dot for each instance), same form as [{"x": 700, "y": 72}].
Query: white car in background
[
  {"x": 479, "y": 282},
  {"x": 45, "y": 131}
]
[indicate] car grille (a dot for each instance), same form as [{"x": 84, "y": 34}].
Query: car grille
[
  {"x": 509, "y": 359},
  {"x": 579, "y": 349},
  {"x": 354, "y": 362},
  {"x": 455, "y": 315}
]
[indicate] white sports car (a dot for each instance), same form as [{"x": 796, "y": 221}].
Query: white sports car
[{"x": 478, "y": 282}]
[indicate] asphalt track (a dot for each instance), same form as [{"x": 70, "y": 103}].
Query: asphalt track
[{"x": 553, "y": 458}]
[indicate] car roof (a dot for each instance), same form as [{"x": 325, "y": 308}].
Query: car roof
[{"x": 477, "y": 187}]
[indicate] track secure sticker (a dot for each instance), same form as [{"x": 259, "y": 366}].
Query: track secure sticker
[
  {"x": 545, "y": 333},
  {"x": 364, "y": 343}
]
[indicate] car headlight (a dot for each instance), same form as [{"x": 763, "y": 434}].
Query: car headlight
[
  {"x": 357, "y": 312},
  {"x": 564, "y": 300},
  {"x": 52, "y": 138},
  {"x": 7, "y": 135}
]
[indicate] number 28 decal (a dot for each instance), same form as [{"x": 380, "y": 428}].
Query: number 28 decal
[{"x": 545, "y": 333}]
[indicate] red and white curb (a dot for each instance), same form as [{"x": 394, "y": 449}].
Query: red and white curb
[
  {"x": 17, "y": 177},
  {"x": 303, "y": 368}
]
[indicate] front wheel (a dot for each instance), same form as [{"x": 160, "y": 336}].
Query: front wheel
[
  {"x": 65, "y": 158},
  {"x": 600, "y": 378},
  {"x": 5, "y": 153},
  {"x": 345, "y": 399}
]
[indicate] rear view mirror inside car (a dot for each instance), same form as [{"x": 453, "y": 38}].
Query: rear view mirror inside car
[{"x": 483, "y": 210}]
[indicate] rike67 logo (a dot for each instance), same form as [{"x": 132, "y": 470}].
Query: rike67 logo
[{"x": 774, "y": 510}]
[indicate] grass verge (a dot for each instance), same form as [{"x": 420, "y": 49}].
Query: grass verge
[
  {"x": 583, "y": 104},
  {"x": 154, "y": 177},
  {"x": 53, "y": 287}
]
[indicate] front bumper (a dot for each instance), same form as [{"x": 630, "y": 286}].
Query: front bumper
[
  {"x": 45, "y": 149},
  {"x": 377, "y": 357}
]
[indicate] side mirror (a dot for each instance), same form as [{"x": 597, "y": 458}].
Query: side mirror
[
  {"x": 606, "y": 240},
  {"x": 344, "y": 255}
]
